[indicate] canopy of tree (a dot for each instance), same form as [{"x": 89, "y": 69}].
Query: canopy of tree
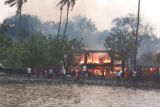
[{"x": 121, "y": 39}]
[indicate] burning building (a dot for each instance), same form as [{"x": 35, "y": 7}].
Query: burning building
[{"x": 97, "y": 62}]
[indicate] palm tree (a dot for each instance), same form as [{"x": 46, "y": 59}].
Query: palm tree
[
  {"x": 19, "y": 4},
  {"x": 69, "y": 3},
  {"x": 62, "y": 3},
  {"x": 136, "y": 41},
  {"x": 61, "y": 9}
]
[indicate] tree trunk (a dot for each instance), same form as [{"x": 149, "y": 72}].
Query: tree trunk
[
  {"x": 136, "y": 40},
  {"x": 111, "y": 69},
  {"x": 60, "y": 22},
  {"x": 66, "y": 22},
  {"x": 64, "y": 63},
  {"x": 21, "y": 27},
  {"x": 123, "y": 64},
  {"x": 112, "y": 62}
]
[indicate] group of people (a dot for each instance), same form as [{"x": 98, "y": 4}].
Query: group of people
[{"x": 48, "y": 73}]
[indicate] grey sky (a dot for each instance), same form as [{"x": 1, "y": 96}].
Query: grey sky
[{"x": 100, "y": 11}]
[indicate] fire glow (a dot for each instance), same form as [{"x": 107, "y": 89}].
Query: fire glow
[{"x": 96, "y": 58}]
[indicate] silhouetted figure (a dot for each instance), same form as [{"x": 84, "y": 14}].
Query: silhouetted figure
[
  {"x": 103, "y": 76},
  {"x": 29, "y": 72},
  {"x": 134, "y": 76},
  {"x": 51, "y": 73},
  {"x": 46, "y": 73},
  {"x": 96, "y": 74},
  {"x": 118, "y": 76},
  {"x": 64, "y": 73}
]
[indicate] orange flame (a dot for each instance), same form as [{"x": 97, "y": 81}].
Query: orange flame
[
  {"x": 97, "y": 58},
  {"x": 96, "y": 61},
  {"x": 107, "y": 61}
]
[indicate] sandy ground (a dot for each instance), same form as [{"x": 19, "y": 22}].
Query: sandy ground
[{"x": 32, "y": 95}]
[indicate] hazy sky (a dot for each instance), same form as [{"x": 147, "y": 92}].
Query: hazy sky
[{"x": 100, "y": 11}]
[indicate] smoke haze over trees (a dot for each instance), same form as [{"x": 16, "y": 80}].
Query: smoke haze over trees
[{"x": 78, "y": 27}]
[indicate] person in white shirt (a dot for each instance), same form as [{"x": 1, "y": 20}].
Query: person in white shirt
[
  {"x": 64, "y": 71},
  {"x": 134, "y": 75},
  {"x": 50, "y": 73},
  {"x": 29, "y": 71}
]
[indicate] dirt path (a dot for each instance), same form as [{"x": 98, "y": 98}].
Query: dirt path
[{"x": 32, "y": 95}]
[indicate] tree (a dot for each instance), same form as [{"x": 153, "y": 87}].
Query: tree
[
  {"x": 13, "y": 55},
  {"x": 54, "y": 46},
  {"x": 122, "y": 38},
  {"x": 72, "y": 49},
  {"x": 148, "y": 46},
  {"x": 39, "y": 52},
  {"x": 31, "y": 25},
  {"x": 5, "y": 27},
  {"x": 35, "y": 53},
  {"x": 60, "y": 20},
  {"x": 136, "y": 41},
  {"x": 19, "y": 4},
  {"x": 62, "y": 3},
  {"x": 65, "y": 57},
  {"x": 5, "y": 42}
]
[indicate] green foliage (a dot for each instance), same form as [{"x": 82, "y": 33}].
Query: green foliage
[
  {"x": 70, "y": 48},
  {"x": 55, "y": 51},
  {"x": 58, "y": 48},
  {"x": 5, "y": 42},
  {"x": 13, "y": 56},
  {"x": 123, "y": 34},
  {"x": 122, "y": 37},
  {"x": 34, "y": 51},
  {"x": 38, "y": 51}
]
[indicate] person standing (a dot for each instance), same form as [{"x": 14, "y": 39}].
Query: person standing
[
  {"x": 96, "y": 74},
  {"x": 29, "y": 71},
  {"x": 64, "y": 72},
  {"x": 51, "y": 73},
  {"x": 76, "y": 73},
  {"x": 85, "y": 71},
  {"x": 118, "y": 75},
  {"x": 134, "y": 75},
  {"x": 46, "y": 73}
]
